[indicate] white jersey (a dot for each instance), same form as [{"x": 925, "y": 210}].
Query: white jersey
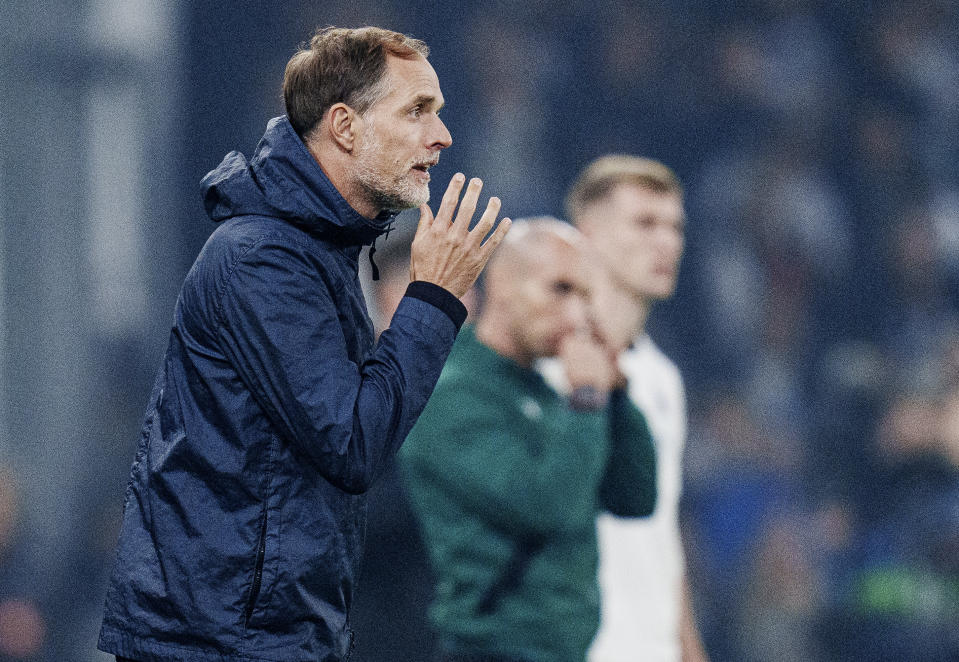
[{"x": 641, "y": 559}]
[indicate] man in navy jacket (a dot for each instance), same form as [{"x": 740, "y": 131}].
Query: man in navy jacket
[{"x": 273, "y": 412}]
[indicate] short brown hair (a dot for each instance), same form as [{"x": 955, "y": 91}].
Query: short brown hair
[
  {"x": 341, "y": 65},
  {"x": 604, "y": 174}
]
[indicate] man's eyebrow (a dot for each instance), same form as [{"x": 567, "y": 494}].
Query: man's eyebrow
[{"x": 426, "y": 100}]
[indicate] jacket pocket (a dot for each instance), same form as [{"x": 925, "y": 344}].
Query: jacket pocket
[{"x": 257, "y": 569}]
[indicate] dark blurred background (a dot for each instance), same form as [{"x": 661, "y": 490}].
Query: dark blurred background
[{"x": 816, "y": 323}]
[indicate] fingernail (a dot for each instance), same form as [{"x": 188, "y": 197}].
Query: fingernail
[
  {"x": 476, "y": 181},
  {"x": 458, "y": 177}
]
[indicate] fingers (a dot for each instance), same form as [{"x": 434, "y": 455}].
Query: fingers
[
  {"x": 468, "y": 205},
  {"x": 450, "y": 198},
  {"x": 496, "y": 237},
  {"x": 426, "y": 220},
  {"x": 487, "y": 219}
]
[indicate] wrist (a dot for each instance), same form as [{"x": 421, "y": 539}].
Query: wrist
[{"x": 441, "y": 298}]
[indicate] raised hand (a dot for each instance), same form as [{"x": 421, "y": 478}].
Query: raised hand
[
  {"x": 445, "y": 251},
  {"x": 587, "y": 362}
]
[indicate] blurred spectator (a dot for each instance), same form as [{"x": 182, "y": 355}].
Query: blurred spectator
[
  {"x": 900, "y": 600},
  {"x": 782, "y": 597},
  {"x": 512, "y": 70},
  {"x": 22, "y": 625},
  {"x": 920, "y": 313},
  {"x": 741, "y": 477},
  {"x": 8, "y": 508},
  {"x": 22, "y": 630},
  {"x": 916, "y": 49}
]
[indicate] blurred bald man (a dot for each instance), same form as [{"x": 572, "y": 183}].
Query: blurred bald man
[{"x": 507, "y": 476}]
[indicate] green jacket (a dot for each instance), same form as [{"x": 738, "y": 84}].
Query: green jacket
[{"x": 507, "y": 481}]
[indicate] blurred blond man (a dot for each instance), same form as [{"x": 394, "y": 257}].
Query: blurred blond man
[{"x": 631, "y": 212}]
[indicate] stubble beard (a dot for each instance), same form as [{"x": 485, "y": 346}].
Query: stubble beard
[{"x": 393, "y": 192}]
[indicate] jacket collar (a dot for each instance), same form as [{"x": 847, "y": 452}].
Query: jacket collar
[{"x": 283, "y": 179}]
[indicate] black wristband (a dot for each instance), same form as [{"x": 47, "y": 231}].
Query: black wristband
[
  {"x": 440, "y": 297},
  {"x": 587, "y": 398}
]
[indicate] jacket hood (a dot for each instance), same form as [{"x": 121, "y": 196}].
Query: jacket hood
[{"x": 285, "y": 181}]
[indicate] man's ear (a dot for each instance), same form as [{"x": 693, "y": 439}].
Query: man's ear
[{"x": 342, "y": 126}]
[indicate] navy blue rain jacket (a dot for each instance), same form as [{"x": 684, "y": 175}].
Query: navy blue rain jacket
[{"x": 271, "y": 415}]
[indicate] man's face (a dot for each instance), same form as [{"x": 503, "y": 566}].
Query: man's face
[
  {"x": 549, "y": 299},
  {"x": 401, "y": 135},
  {"x": 639, "y": 236}
]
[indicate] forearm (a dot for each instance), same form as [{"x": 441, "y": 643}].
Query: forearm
[
  {"x": 288, "y": 345},
  {"x": 395, "y": 386},
  {"x": 629, "y": 486},
  {"x": 515, "y": 492},
  {"x": 475, "y": 445}
]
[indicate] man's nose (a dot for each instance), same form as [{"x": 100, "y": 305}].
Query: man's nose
[
  {"x": 440, "y": 137},
  {"x": 671, "y": 241}
]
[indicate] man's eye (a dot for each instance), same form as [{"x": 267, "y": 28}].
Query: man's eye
[
  {"x": 416, "y": 111},
  {"x": 562, "y": 288}
]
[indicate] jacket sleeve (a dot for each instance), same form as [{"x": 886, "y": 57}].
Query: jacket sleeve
[
  {"x": 629, "y": 484},
  {"x": 468, "y": 449},
  {"x": 281, "y": 331}
]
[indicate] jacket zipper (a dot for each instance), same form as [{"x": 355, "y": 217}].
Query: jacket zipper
[
  {"x": 257, "y": 569},
  {"x": 349, "y": 652}
]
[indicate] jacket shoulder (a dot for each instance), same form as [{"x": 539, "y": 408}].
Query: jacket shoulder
[
  {"x": 242, "y": 233},
  {"x": 257, "y": 241},
  {"x": 245, "y": 237}
]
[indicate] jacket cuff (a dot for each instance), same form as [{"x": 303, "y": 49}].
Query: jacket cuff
[{"x": 439, "y": 297}]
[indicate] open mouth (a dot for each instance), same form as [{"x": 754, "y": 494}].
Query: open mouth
[{"x": 424, "y": 166}]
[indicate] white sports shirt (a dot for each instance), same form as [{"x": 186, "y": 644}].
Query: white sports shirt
[{"x": 641, "y": 559}]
